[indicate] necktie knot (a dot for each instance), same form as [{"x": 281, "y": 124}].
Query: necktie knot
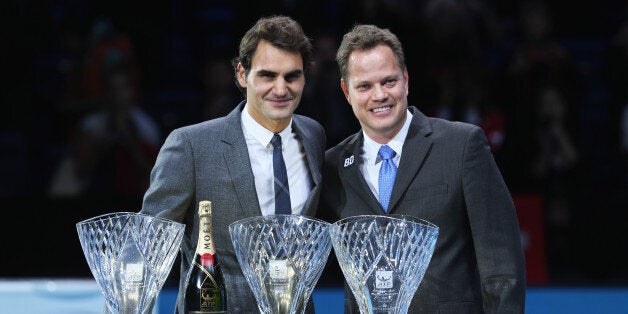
[
  {"x": 386, "y": 152},
  {"x": 276, "y": 141}
]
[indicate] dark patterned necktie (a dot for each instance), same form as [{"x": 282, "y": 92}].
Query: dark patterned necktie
[{"x": 282, "y": 190}]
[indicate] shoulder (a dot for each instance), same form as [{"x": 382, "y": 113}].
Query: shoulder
[
  {"x": 455, "y": 137},
  {"x": 342, "y": 145},
  {"x": 307, "y": 122},
  {"x": 310, "y": 129},
  {"x": 225, "y": 124},
  {"x": 452, "y": 130},
  {"x": 450, "y": 136},
  {"x": 202, "y": 133},
  {"x": 205, "y": 127},
  {"x": 343, "y": 148}
]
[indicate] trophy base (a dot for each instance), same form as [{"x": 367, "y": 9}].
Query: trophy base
[{"x": 206, "y": 312}]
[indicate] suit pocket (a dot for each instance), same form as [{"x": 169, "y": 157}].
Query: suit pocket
[{"x": 417, "y": 193}]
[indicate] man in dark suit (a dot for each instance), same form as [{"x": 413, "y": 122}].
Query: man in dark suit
[
  {"x": 229, "y": 160},
  {"x": 445, "y": 174}
]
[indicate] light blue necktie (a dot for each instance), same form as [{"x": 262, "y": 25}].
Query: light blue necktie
[
  {"x": 282, "y": 190},
  {"x": 387, "y": 174}
]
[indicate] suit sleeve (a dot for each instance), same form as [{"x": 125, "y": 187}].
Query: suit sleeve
[
  {"x": 172, "y": 179},
  {"x": 494, "y": 227}
]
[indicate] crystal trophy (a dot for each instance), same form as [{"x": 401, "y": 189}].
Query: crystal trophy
[
  {"x": 130, "y": 256},
  {"x": 282, "y": 258},
  {"x": 383, "y": 258}
]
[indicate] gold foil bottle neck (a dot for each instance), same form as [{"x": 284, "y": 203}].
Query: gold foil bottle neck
[{"x": 204, "y": 208}]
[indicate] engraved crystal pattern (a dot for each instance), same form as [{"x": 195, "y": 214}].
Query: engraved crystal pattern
[
  {"x": 282, "y": 258},
  {"x": 383, "y": 258},
  {"x": 130, "y": 256}
]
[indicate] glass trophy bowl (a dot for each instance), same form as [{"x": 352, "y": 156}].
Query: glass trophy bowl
[
  {"x": 130, "y": 256},
  {"x": 282, "y": 258},
  {"x": 383, "y": 258}
]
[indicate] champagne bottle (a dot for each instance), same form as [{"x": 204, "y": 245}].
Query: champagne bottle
[{"x": 205, "y": 292}]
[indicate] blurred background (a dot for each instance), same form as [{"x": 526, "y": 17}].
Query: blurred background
[{"x": 92, "y": 88}]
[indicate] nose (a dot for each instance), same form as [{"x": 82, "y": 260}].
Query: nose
[
  {"x": 379, "y": 93},
  {"x": 280, "y": 87}
]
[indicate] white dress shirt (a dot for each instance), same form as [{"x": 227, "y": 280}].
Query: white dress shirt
[
  {"x": 261, "y": 155},
  {"x": 372, "y": 160}
]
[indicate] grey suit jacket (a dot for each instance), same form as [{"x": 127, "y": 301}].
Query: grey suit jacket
[
  {"x": 446, "y": 175},
  {"x": 210, "y": 161}
]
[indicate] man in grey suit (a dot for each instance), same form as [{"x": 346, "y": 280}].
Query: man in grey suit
[
  {"x": 229, "y": 160},
  {"x": 445, "y": 174}
]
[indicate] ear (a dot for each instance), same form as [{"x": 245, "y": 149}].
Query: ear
[
  {"x": 241, "y": 75},
  {"x": 345, "y": 90}
]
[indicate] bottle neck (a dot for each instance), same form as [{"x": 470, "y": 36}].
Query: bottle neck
[{"x": 205, "y": 236}]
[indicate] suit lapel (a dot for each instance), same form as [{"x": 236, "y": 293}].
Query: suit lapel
[
  {"x": 351, "y": 175},
  {"x": 308, "y": 143},
  {"x": 310, "y": 150},
  {"x": 415, "y": 149},
  {"x": 239, "y": 164}
]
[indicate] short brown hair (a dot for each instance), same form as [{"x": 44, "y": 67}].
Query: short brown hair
[
  {"x": 282, "y": 32},
  {"x": 364, "y": 37}
]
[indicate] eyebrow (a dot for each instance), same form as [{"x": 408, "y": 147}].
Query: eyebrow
[
  {"x": 266, "y": 72},
  {"x": 295, "y": 73},
  {"x": 272, "y": 73},
  {"x": 385, "y": 78}
]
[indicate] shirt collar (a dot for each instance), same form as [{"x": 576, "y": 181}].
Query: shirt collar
[
  {"x": 260, "y": 133},
  {"x": 371, "y": 148}
]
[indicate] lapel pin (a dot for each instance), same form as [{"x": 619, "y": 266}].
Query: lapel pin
[{"x": 349, "y": 161}]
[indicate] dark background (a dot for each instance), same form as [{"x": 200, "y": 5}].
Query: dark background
[{"x": 461, "y": 56}]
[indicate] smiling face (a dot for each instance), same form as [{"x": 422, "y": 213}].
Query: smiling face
[
  {"x": 274, "y": 85},
  {"x": 377, "y": 89}
]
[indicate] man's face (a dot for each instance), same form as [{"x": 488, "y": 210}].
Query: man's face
[
  {"x": 377, "y": 89},
  {"x": 274, "y": 85}
]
